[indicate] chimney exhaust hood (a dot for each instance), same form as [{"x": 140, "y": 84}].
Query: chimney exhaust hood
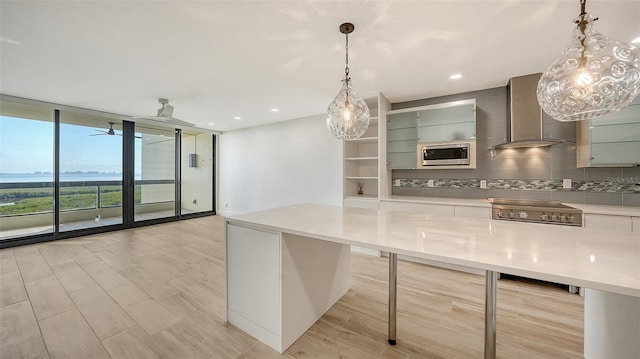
[{"x": 525, "y": 124}]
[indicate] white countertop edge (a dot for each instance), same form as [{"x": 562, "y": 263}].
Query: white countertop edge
[{"x": 550, "y": 277}]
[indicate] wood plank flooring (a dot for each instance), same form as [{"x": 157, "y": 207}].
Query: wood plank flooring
[{"x": 158, "y": 292}]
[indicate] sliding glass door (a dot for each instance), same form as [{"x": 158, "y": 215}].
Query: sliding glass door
[
  {"x": 66, "y": 172},
  {"x": 155, "y": 172},
  {"x": 196, "y": 174},
  {"x": 90, "y": 171},
  {"x": 26, "y": 170}
]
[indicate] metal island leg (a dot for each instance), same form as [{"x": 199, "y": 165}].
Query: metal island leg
[
  {"x": 393, "y": 289},
  {"x": 490, "y": 315}
]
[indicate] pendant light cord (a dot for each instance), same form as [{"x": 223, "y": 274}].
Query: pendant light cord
[
  {"x": 582, "y": 25},
  {"x": 346, "y": 62},
  {"x": 346, "y": 56}
]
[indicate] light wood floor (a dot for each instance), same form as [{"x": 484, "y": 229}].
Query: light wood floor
[{"x": 158, "y": 292}]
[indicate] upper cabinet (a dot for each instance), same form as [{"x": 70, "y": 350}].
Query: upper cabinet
[
  {"x": 612, "y": 140},
  {"x": 454, "y": 121},
  {"x": 444, "y": 122},
  {"x": 402, "y": 138}
]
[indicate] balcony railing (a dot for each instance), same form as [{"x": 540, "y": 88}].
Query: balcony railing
[{"x": 27, "y": 198}]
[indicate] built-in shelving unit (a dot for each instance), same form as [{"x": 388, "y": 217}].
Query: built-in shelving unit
[{"x": 363, "y": 159}]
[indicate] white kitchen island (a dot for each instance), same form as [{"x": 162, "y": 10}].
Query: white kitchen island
[{"x": 287, "y": 266}]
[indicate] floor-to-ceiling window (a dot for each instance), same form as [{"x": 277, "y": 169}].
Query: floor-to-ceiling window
[
  {"x": 26, "y": 170},
  {"x": 155, "y": 173},
  {"x": 196, "y": 172},
  {"x": 90, "y": 171},
  {"x": 66, "y": 172}
]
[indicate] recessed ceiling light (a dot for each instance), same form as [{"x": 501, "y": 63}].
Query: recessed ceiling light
[
  {"x": 274, "y": 110},
  {"x": 211, "y": 124},
  {"x": 455, "y": 76},
  {"x": 636, "y": 40},
  {"x": 237, "y": 118}
]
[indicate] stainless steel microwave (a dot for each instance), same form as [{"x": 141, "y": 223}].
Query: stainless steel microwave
[{"x": 445, "y": 154}]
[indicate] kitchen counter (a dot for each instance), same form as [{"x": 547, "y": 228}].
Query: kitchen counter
[
  {"x": 294, "y": 260},
  {"x": 577, "y": 256}
]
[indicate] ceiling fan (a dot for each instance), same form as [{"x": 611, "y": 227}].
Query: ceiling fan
[
  {"x": 109, "y": 132},
  {"x": 165, "y": 114}
]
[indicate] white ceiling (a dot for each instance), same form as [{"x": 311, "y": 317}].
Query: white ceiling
[{"x": 216, "y": 60}]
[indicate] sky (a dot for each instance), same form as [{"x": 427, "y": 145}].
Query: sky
[{"x": 26, "y": 146}]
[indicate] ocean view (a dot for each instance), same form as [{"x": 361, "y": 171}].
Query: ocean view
[
  {"x": 65, "y": 177},
  {"x": 30, "y": 193}
]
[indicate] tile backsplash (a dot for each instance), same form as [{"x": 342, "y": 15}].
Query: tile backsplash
[
  {"x": 531, "y": 173},
  {"x": 523, "y": 185}
]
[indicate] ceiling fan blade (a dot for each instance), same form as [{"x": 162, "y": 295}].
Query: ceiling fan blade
[
  {"x": 171, "y": 120},
  {"x": 180, "y": 122},
  {"x": 165, "y": 114}
]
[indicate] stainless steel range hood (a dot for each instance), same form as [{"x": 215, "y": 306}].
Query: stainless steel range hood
[{"x": 525, "y": 125}]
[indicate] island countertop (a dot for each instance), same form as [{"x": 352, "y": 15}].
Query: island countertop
[{"x": 604, "y": 260}]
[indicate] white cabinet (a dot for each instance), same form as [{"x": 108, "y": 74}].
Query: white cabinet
[
  {"x": 611, "y": 325},
  {"x": 270, "y": 275},
  {"x": 440, "y": 209},
  {"x": 362, "y": 156},
  {"x": 608, "y": 222},
  {"x": 253, "y": 271}
]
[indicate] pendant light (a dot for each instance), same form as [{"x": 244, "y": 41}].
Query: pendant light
[
  {"x": 348, "y": 114},
  {"x": 595, "y": 75}
]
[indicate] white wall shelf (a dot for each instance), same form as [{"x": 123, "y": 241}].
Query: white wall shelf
[
  {"x": 362, "y": 197},
  {"x": 372, "y": 139}
]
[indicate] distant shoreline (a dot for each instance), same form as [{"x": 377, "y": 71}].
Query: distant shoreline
[{"x": 65, "y": 176}]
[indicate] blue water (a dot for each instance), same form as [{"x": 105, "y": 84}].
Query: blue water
[{"x": 64, "y": 177}]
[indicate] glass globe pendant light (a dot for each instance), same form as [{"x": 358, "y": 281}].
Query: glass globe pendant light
[
  {"x": 595, "y": 75},
  {"x": 348, "y": 114}
]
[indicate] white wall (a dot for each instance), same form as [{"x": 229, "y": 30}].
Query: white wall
[{"x": 274, "y": 165}]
